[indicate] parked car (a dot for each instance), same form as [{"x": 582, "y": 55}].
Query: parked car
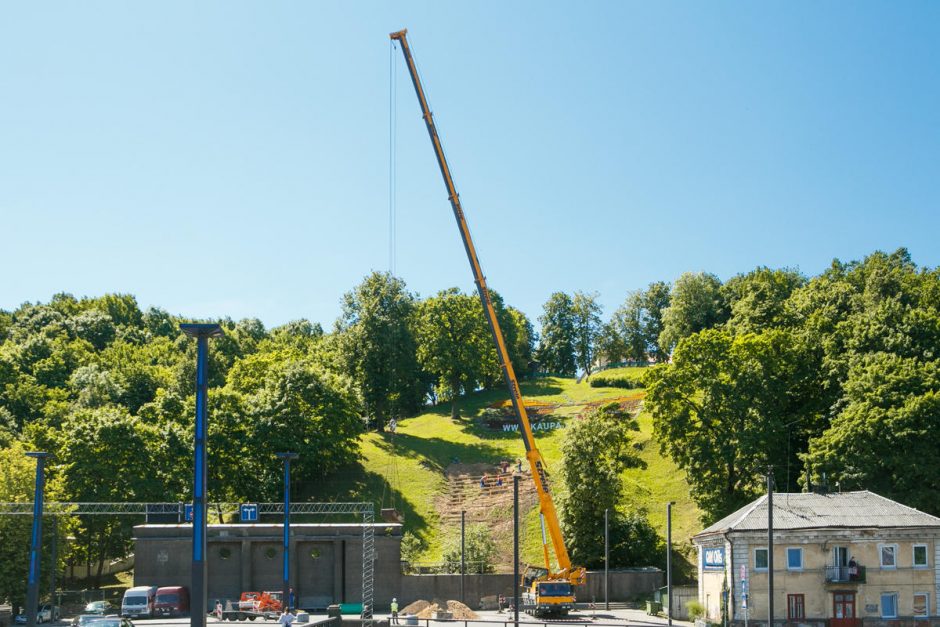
[
  {"x": 83, "y": 619},
  {"x": 45, "y": 614},
  {"x": 98, "y": 607},
  {"x": 171, "y": 601},
  {"x": 109, "y": 621},
  {"x": 139, "y": 601}
]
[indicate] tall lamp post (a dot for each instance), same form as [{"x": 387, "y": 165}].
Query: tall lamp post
[
  {"x": 199, "y": 583},
  {"x": 286, "y": 602},
  {"x": 35, "y": 545},
  {"x": 669, "y": 562}
]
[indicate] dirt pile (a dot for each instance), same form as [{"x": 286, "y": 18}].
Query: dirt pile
[
  {"x": 458, "y": 609},
  {"x": 415, "y": 608}
]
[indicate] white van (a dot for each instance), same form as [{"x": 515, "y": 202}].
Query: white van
[{"x": 138, "y": 602}]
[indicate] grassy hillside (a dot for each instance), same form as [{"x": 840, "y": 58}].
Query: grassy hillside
[{"x": 416, "y": 461}]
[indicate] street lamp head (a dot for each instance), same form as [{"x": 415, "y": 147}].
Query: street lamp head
[
  {"x": 37, "y": 454},
  {"x": 286, "y": 456},
  {"x": 201, "y": 330}
]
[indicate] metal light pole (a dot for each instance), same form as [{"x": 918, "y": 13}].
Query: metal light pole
[
  {"x": 669, "y": 562},
  {"x": 770, "y": 546},
  {"x": 606, "y": 559},
  {"x": 463, "y": 547},
  {"x": 35, "y": 545},
  {"x": 286, "y": 458},
  {"x": 199, "y": 583},
  {"x": 515, "y": 549}
]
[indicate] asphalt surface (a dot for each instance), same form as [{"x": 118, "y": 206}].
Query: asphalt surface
[{"x": 487, "y": 619}]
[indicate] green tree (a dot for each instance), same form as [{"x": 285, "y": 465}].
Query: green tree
[
  {"x": 106, "y": 455},
  {"x": 727, "y": 407},
  {"x": 587, "y": 329},
  {"x": 886, "y": 432},
  {"x": 656, "y": 300},
  {"x": 454, "y": 344},
  {"x": 596, "y": 450},
  {"x": 556, "y": 352},
  {"x": 378, "y": 347},
  {"x": 757, "y": 300},
  {"x": 696, "y": 303},
  {"x": 626, "y": 329},
  {"x": 479, "y": 550}
]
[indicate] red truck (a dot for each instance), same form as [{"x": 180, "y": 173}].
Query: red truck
[{"x": 171, "y": 601}]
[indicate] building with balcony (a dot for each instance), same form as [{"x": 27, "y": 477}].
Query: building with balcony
[{"x": 839, "y": 560}]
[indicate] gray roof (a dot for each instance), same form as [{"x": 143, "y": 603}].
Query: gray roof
[{"x": 801, "y": 510}]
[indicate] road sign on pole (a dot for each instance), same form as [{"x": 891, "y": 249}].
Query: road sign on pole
[
  {"x": 248, "y": 512},
  {"x": 188, "y": 512}
]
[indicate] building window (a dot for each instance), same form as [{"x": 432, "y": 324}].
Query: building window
[
  {"x": 794, "y": 558},
  {"x": 889, "y": 604},
  {"x": 760, "y": 559},
  {"x": 889, "y": 555},
  {"x": 796, "y": 608},
  {"x": 920, "y": 556},
  {"x": 921, "y": 604}
]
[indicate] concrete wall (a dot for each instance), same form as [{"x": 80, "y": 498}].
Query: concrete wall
[
  {"x": 326, "y": 560},
  {"x": 624, "y": 585}
]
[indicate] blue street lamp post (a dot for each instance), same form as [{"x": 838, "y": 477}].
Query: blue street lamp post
[
  {"x": 199, "y": 582},
  {"x": 286, "y": 602},
  {"x": 35, "y": 546}
]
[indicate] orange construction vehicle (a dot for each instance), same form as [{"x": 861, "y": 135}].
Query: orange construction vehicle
[
  {"x": 252, "y": 605},
  {"x": 548, "y": 590}
]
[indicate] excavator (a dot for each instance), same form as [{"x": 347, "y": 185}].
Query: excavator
[{"x": 547, "y": 591}]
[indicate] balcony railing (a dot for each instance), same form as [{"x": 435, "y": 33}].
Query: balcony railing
[{"x": 845, "y": 574}]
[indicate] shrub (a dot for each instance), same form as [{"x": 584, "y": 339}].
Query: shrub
[
  {"x": 601, "y": 380},
  {"x": 696, "y": 610}
]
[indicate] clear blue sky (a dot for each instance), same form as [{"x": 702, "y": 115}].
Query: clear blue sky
[{"x": 231, "y": 158}]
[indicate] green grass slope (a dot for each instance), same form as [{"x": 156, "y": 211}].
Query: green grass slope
[{"x": 407, "y": 470}]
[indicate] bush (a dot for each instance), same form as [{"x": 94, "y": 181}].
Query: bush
[
  {"x": 696, "y": 610},
  {"x": 601, "y": 380}
]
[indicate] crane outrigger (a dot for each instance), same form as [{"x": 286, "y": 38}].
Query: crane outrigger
[{"x": 551, "y": 591}]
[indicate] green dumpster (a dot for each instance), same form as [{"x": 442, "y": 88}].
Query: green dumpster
[{"x": 653, "y": 607}]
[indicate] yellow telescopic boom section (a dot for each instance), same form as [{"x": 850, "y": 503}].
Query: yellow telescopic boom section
[{"x": 547, "y": 506}]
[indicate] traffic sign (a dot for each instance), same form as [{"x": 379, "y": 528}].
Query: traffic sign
[
  {"x": 743, "y": 572},
  {"x": 248, "y": 512},
  {"x": 188, "y": 512}
]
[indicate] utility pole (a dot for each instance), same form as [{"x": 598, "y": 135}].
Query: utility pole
[
  {"x": 35, "y": 545},
  {"x": 463, "y": 547},
  {"x": 199, "y": 583},
  {"x": 669, "y": 562},
  {"x": 286, "y": 600},
  {"x": 770, "y": 546},
  {"x": 515, "y": 549},
  {"x": 606, "y": 558}
]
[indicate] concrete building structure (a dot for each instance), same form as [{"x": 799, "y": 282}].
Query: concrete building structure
[
  {"x": 840, "y": 560},
  {"x": 325, "y": 564}
]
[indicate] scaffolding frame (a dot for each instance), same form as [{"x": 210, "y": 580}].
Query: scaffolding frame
[{"x": 365, "y": 510}]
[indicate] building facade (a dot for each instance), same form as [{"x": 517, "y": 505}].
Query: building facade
[{"x": 838, "y": 559}]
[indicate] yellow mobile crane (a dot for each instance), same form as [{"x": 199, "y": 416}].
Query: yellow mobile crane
[{"x": 549, "y": 591}]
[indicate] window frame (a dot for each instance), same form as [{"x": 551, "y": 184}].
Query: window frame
[
  {"x": 882, "y": 599},
  {"x": 914, "y": 563},
  {"x": 795, "y": 568},
  {"x": 801, "y": 604},
  {"x": 881, "y": 555},
  {"x": 764, "y": 568},
  {"x": 926, "y": 596}
]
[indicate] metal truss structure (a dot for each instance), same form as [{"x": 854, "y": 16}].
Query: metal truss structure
[{"x": 365, "y": 510}]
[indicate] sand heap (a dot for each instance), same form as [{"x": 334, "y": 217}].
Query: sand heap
[
  {"x": 458, "y": 609},
  {"x": 415, "y": 608}
]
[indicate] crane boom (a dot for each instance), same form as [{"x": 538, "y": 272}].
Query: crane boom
[{"x": 534, "y": 457}]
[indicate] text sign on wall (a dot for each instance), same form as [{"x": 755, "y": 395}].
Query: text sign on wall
[{"x": 713, "y": 558}]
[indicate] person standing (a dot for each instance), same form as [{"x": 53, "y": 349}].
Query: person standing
[
  {"x": 394, "y": 617},
  {"x": 287, "y": 618}
]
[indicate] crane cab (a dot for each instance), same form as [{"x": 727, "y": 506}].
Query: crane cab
[{"x": 549, "y": 598}]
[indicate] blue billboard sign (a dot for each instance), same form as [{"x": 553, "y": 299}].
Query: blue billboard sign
[
  {"x": 249, "y": 512},
  {"x": 713, "y": 558}
]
